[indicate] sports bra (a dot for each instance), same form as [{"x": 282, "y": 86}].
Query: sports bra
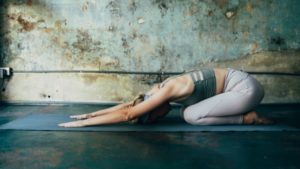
[{"x": 205, "y": 86}]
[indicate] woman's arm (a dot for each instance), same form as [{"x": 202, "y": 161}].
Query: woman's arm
[
  {"x": 126, "y": 114},
  {"x": 110, "y": 118},
  {"x": 101, "y": 112}
]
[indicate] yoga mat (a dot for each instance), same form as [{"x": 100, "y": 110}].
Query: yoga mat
[{"x": 48, "y": 122}]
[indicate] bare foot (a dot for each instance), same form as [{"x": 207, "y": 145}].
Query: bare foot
[{"x": 253, "y": 118}]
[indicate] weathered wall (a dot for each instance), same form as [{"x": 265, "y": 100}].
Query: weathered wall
[{"x": 144, "y": 35}]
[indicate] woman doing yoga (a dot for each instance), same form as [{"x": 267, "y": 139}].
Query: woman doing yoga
[{"x": 209, "y": 97}]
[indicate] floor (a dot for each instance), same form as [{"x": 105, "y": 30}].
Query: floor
[{"x": 112, "y": 150}]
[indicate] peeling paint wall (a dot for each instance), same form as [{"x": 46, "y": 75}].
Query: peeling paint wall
[{"x": 143, "y": 35}]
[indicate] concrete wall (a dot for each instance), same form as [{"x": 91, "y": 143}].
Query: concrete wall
[{"x": 144, "y": 35}]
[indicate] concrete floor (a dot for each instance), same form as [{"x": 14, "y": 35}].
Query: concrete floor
[{"x": 85, "y": 150}]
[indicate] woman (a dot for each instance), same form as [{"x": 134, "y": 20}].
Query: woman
[{"x": 209, "y": 97}]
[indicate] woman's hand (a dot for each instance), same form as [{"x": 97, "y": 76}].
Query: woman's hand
[{"x": 78, "y": 123}]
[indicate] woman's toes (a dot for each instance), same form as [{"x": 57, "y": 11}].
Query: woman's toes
[{"x": 263, "y": 120}]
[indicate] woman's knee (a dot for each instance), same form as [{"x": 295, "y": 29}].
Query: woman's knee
[
  {"x": 192, "y": 117},
  {"x": 194, "y": 121},
  {"x": 188, "y": 115}
]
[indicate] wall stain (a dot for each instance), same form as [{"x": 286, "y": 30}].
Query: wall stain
[
  {"x": 60, "y": 42},
  {"x": 29, "y": 2},
  {"x": 112, "y": 28},
  {"x": 133, "y": 34},
  {"x": 132, "y": 6},
  {"x": 193, "y": 9},
  {"x": 85, "y": 6},
  {"x": 163, "y": 6},
  {"x": 277, "y": 41},
  {"x": 43, "y": 95},
  {"x": 150, "y": 79},
  {"x": 249, "y": 7},
  {"x": 144, "y": 38},
  {"x": 11, "y": 16},
  {"x": 124, "y": 42},
  {"x": 221, "y": 3},
  {"x": 59, "y": 24},
  {"x": 210, "y": 13},
  {"x": 26, "y": 25},
  {"x": 114, "y": 8},
  {"x": 93, "y": 78},
  {"x": 254, "y": 47},
  {"x": 162, "y": 50},
  {"x": 85, "y": 43}
]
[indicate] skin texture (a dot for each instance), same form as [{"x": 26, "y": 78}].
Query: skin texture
[{"x": 174, "y": 89}]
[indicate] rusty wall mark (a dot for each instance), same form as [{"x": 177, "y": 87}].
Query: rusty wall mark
[
  {"x": 29, "y": 2},
  {"x": 26, "y": 25},
  {"x": 27, "y": 22}
]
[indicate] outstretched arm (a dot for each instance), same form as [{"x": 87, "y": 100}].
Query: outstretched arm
[
  {"x": 127, "y": 114},
  {"x": 101, "y": 112},
  {"x": 109, "y": 118}
]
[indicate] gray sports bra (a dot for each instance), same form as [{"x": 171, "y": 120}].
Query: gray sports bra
[{"x": 205, "y": 86}]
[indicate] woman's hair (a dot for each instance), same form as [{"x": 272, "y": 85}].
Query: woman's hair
[
  {"x": 151, "y": 116},
  {"x": 138, "y": 99}
]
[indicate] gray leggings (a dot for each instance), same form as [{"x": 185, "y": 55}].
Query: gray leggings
[{"x": 240, "y": 95}]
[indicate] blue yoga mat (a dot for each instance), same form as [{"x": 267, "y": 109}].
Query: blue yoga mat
[{"x": 48, "y": 122}]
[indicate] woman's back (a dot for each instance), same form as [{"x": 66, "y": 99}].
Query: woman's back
[{"x": 184, "y": 86}]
